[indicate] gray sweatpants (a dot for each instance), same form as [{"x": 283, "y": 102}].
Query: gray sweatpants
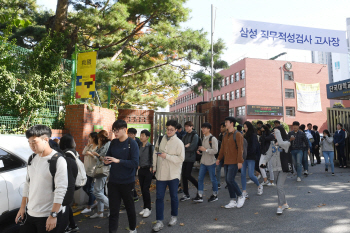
[{"x": 280, "y": 178}]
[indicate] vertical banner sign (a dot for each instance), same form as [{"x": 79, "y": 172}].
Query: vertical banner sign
[
  {"x": 308, "y": 97},
  {"x": 287, "y": 36},
  {"x": 86, "y": 70}
]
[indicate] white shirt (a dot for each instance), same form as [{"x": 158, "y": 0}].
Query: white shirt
[{"x": 38, "y": 185}]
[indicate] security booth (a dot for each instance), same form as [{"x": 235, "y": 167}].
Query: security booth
[{"x": 339, "y": 91}]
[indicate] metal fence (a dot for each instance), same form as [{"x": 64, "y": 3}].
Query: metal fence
[
  {"x": 160, "y": 119},
  {"x": 335, "y": 116},
  {"x": 49, "y": 115}
]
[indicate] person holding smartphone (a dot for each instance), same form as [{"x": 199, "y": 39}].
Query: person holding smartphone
[
  {"x": 168, "y": 158},
  {"x": 123, "y": 156}
]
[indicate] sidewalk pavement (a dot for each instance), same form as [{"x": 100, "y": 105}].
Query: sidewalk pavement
[{"x": 319, "y": 203}]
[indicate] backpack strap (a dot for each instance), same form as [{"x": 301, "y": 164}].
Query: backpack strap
[
  {"x": 52, "y": 167},
  {"x": 210, "y": 141},
  {"x": 30, "y": 159},
  {"x": 234, "y": 138},
  {"x": 192, "y": 135}
]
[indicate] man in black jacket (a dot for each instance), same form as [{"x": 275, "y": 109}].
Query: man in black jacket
[
  {"x": 315, "y": 145},
  {"x": 190, "y": 141}
]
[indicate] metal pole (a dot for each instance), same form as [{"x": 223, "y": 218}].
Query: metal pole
[
  {"x": 284, "y": 112},
  {"x": 212, "y": 62}
]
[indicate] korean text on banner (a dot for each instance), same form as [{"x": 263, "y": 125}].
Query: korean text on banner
[
  {"x": 308, "y": 97},
  {"x": 86, "y": 70},
  {"x": 287, "y": 36}
]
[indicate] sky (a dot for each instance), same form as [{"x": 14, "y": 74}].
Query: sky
[{"x": 326, "y": 14}]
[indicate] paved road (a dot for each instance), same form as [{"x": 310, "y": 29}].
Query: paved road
[{"x": 320, "y": 203}]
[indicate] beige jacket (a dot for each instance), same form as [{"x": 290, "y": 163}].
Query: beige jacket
[
  {"x": 208, "y": 158},
  {"x": 170, "y": 167},
  {"x": 89, "y": 161}
]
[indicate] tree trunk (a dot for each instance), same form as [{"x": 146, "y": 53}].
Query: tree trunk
[{"x": 61, "y": 15}]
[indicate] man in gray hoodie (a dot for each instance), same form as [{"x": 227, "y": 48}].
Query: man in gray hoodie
[{"x": 190, "y": 141}]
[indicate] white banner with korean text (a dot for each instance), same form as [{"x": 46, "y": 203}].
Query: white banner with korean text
[
  {"x": 287, "y": 36},
  {"x": 308, "y": 97}
]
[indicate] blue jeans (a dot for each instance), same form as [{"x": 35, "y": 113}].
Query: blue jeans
[
  {"x": 250, "y": 164},
  {"x": 328, "y": 158},
  {"x": 297, "y": 160},
  {"x": 89, "y": 188},
  {"x": 161, "y": 187},
  {"x": 218, "y": 170},
  {"x": 230, "y": 174},
  {"x": 202, "y": 171},
  {"x": 305, "y": 160}
]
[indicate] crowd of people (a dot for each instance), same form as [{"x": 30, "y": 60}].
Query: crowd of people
[{"x": 54, "y": 170}]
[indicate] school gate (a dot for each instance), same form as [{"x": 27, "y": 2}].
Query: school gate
[
  {"x": 335, "y": 116},
  {"x": 160, "y": 119}
]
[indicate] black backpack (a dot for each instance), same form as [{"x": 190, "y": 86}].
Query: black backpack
[
  {"x": 211, "y": 145},
  {"x": 200, "y": 143},
  {"x": 72, "y": 174}
]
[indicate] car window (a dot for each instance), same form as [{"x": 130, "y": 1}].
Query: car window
[{"x": 9, "y": 161}]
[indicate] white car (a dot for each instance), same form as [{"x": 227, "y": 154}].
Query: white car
[{"x": 14, "y": 154}]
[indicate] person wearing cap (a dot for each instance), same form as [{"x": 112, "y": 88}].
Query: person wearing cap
[{"x": 298, "y": 139}]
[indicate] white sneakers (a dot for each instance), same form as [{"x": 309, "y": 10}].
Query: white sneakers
[
  {"x": 232, "y": 204},
  {"x": 145, "y": 213},
  {"x": 265, "y": 183},
  {"x": 240, "y": 201},
  {"x": 172, "y": 221},
  {"x": 158, "y": 226},
  {"x": 271, "y": 184},
  {"x": 245, "y": 194},
  {"x": 86, "y": 210},
  {"x": 96, "y": 215},
  {"x": 280, "y": 210},
  {"x": 250, "y": 182},
  {"x": 238, "y": 204},
  {"x": 260, "y": 190},
  {"x": 298, "y": 179}
]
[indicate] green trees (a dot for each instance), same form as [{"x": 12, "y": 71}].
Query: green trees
[
  {"x": 143, "y": 53},
  {"x": 203, "y": 76}
]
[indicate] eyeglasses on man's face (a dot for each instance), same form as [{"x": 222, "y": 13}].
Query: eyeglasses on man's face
[{"x": 170, "y": 130}]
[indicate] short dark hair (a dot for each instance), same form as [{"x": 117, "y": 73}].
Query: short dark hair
[
  {"x": 179, "y": 126},
  {"x": 103, "y": 135},
  {"x": 206, "y": 125},
  {"x": 38, "y": 131},
  {"x": 315, "y": 127},
  {"x": 259, "y": 122},
  {"x": 340, "y": 124},
  {"x": 302, "y": 127},
  {"x": 94, "y": 137},
  {"x": 309, "y": 124},
  {"x": 326, "y": 131},
  {"x": 268, "y": 125},
  {"x": 189, "y": 123},
  {"x": 231, "y": 119},
  {"x": 132, "y": 130},
  {"x": 239, "y": 127},
  {"x": 119, "y": 124},
  {"x": 296, "y": 123},
  {"x": 67, "y": 142},
  {"x": 277, "y": 122},
  {"x": 146, "y": 132},
  {"x": 172, "y": 123},
  {"x": 223, "y": 124}
]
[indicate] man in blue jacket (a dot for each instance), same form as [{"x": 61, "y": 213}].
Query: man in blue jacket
[
  {"x": 123, "y": 156},
  {"x": 339, "y": 142}
]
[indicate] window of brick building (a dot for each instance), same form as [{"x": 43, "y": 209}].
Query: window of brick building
[
  {"x": 290, "y": 111},
  {"x": 289, "y": 93}
]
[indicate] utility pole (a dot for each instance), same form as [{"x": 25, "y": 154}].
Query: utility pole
[{"x": 212, "y": 55}]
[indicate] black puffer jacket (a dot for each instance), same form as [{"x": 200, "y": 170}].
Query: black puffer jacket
[
  {"x": 265, "y": 142},
  {"x": 253, "y": 145}
]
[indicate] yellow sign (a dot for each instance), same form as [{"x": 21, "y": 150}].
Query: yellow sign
[
  {"x": 86, "y": 70},
  {"x": 308, "y": 97}
]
